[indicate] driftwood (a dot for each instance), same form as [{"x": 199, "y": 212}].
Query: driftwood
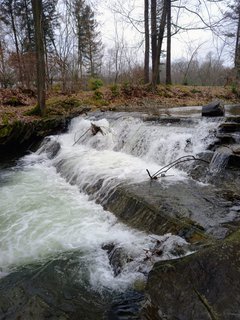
[{"x": 94, "y": 130}]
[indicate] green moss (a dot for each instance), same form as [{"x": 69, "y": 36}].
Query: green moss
[
  {"x": 5, "y": 131},
  {"x": 35, "y": 111},
  {"x": 5, "y": 119},
  {"x": 235, "y": 236},
  {"x": 96, "y": 102}
]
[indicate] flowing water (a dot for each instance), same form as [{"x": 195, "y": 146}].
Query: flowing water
[
  {"x": 45, "y": 210},
  {"x": 219, "y": 162}
]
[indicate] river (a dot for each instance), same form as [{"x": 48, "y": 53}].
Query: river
[{"x": 50, "y": 205}]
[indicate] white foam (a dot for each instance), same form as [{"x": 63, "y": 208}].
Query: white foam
[{"x": 41, "y": 214}]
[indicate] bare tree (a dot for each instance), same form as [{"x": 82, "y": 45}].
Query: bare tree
[
  {"x": 147, "y": 41},
  {"x": 169, "y": 38},
  {"x": 40, "y": 54},
  {"x": 160, "y": 38}
]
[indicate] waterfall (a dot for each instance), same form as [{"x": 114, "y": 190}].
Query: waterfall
[
  {"x": 45, "y": 209},
  {"x": 127, "y": 147},
  {"x": 218, "y": 162}
]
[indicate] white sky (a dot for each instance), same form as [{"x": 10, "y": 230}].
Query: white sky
[{"x": 183, "y": 44}]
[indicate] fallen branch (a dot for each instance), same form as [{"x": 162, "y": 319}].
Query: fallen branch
[
  {"x": 94, "y": 129},
  {"x": 162, "y": 172}
]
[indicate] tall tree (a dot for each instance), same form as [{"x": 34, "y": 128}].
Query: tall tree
[
  {"x": 169, "y": 38},
  {"x": 89, "y": 42},
  {"x": 154, "y": 35},
  {"x": 37, "y": 9},
  {"x": 147, "y": 42},
  {"x": 8, "y": 13},
  {"x": 237, "y": 44},
  {"x": 160, "y": 38}
]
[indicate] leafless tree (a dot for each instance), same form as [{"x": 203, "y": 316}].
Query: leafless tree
[{"x": 40, "y": 54}]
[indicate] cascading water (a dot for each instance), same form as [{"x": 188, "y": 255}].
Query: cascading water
[
  {"x": 219, "y": 162},
  {"x": 43, "y": 213}
]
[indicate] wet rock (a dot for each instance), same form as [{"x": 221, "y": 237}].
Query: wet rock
[
  {"x": 19, "y": 135},
  {"x": 191, "y": 210},
  {"x": 214, "y": 109},
  {"x": 202, "y": 286},
  {"x": 236, "y": 149},
  {"x": 56, "y": 289},
  {"x": 51, "y": 147},
  {"x": 118, "y": 258},
  {"x": 227, "y": 156},
  {"x": 108, "y": 247},
  {"x": 229, "y": 127}
]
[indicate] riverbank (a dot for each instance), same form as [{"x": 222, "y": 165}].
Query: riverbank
[
  {"x": 111, "y": 169},
  {"x": 18, "y": 105},
  {"x": 21, "y": 128}
]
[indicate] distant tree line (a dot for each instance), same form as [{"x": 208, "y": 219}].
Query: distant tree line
[
  {"x": 72, "y": 42},
  {"x": 74, "y": 53}
]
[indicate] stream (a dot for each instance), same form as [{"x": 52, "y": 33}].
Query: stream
[{"x": 58, "y": 244}]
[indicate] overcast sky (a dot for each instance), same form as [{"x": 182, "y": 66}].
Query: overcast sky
[{"x": 183, "y": 44}]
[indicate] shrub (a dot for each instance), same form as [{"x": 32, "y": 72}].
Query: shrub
[
  {"x": 115, "y": 90},
  {"x": 95, "y": 83},
  {"x": 98, "y": 95}
]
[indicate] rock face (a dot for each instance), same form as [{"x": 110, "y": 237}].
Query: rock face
[
  {"x": 214, "y": 109},
  {"x": 19, "y": 136},
  {"x": 201, "y": 286}
]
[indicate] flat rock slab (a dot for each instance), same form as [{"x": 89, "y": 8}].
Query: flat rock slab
[
  {"x": 186, "y": 208},
  {"x": 202, "y": 286}
]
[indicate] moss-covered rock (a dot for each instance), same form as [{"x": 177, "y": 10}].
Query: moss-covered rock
[{"x": 19, "y": 135}]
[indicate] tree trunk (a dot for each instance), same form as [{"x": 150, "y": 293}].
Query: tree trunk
[
  {"x": 168, "y": 62},
  {"x": 154, "y": 34},
  {"x": 16, "y": 44},
  {"x": 147, "y": 42},
  {"x": 161, "y": 31},
  {"x": 237, "y": 47},
  {"x": 39, "y": 42},
  {"x": 29, "y": 44}
]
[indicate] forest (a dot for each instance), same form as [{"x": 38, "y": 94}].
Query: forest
[{"x": 73, "y": 53}]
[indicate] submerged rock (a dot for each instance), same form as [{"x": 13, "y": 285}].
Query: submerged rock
[
  {"x": 118, "y": 258},
  {"x": 56, "y": 289},
  {"x": 51, "y": 147}
]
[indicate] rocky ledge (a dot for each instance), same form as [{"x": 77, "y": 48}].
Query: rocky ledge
[
  {"x": 201, "y": 286},
  {"x": 18, "y": 136}
]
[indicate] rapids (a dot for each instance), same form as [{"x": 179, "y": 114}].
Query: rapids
[{"x": 49, "y": 203}]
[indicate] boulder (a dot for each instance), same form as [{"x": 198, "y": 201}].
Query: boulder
[
  {"x": 201, "y": 286},
  {"x": 227, "y": 156},
  {"x": 214, "y": 109}
]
